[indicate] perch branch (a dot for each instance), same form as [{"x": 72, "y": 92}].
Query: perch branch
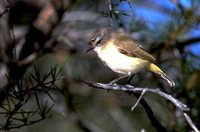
[
  {"x": 154, "y": 121},
  {"x": 128, "y": 88},
  {"x": 189, "y": 121}
]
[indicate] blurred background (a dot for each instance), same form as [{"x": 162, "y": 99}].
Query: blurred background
[{"x": 43, "y": 56}]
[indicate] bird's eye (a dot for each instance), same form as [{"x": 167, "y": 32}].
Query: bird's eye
[
  {"x": 96, "y": 39},
  {"x": 99, "y": 37},
  {"x": 91, "y": 41}
]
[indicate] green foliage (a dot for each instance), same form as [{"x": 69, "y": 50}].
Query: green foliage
[{"x": 16, "y": 110}]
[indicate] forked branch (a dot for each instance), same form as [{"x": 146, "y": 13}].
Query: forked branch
[{"x": 129, "y": 88}]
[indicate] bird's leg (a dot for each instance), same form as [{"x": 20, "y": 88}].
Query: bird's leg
[
  {"x": 130, "y": 78},
  {"x": 117, "y": 79}
]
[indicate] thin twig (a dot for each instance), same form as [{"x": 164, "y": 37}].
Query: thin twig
[
  {"x": 189, "y": 121},
  {"x": 2, "y": 13},
  {"x": 154, "y": 121},
  {"x": 138, "y": 100},
  {"x": 110, "y": 12},
  {"x": 13, "y": 42},
  {"x": 7, "y": 8}
]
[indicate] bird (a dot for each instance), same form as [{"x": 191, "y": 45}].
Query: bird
[{"x": 121, "y": 53}]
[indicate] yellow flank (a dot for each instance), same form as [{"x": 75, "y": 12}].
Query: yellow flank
[{"x": 154, "y": 68}]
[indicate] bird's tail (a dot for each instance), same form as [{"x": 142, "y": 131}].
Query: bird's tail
[{"x": 154, "y": 68}]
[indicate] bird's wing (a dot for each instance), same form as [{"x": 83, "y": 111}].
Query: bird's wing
[{"x": 128, "y": 46}]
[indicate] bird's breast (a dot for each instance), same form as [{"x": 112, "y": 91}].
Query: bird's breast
[{"x": 119, "y": 62}]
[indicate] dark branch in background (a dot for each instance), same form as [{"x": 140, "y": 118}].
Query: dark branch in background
[
  {"x": 1, "y": 14},
  {"x": 148, "y": 110},
  {"x": 183, "y": 44},
  {"x": 37, "y": 39},
  {"x": 36, "y": 44},
  {"x": 12, "y": 50},
  {"x": 128, "y": 88},
  {"x": 17, "y": 92},
  {"x": 7, "y": 8},
  {"x": 180, "y": 45}
]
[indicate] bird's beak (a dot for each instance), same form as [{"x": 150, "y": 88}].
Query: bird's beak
[{"x": 90, "y": 49}]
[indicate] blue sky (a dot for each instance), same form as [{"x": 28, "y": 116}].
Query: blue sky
[{"x": 157, "y": 17}]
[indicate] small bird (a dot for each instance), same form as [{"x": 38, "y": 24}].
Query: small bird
[{"x": 123, "y": 54}]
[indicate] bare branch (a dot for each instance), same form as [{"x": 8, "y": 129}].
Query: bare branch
[
  {"x": 182, "y": 44},
  {"x": 138, "y": 100},
  {"x": 154, "y": 121},
  {"x": 189, "y": 121},
  {"x": 2, "y": 13},
  {"x": 7, "y": 8},
  {"x": 179, "y": 44},
  {"x": 128, "y": 88}
]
